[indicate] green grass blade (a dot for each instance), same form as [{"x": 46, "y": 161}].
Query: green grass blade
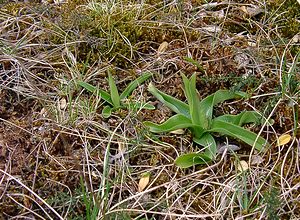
[
  {"x": 175, "y": 122},
  {"x": 192, "y": 159},
  {"x": 208, "y": 141},
  {"x": 171, "y": 102},
  {"x": 238, "y": 132},
  {"x": 114, "y": 94},
  {"x": 192, "y": 97},
  {"x": 196, "y": 63},
  {"x": 85, "y": 197},
  {"x": 99, "y": 92},
  {"x": 243, "y": 118},
  {"x": 106, "y": 111},
  {"x": 134, "y": 84},
  {"x": 207, "y": 104},
  {"x": 138, "y": 105}
]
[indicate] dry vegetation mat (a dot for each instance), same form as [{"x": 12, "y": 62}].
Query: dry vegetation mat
[{"x": 149, "y": 109}]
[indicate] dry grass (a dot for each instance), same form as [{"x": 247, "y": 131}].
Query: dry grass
[{"x": 60, "y": 159}]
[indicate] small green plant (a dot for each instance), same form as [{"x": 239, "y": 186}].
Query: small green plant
[
  {"x": 114, "y": 99},
  {"x": 290, "y": 85},
  {"x": 273, "y": 202},
  {"x": 197, "y": 116},
  {"x": 91, "y": 208}
]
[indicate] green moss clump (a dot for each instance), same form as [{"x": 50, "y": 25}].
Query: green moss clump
[
  {"x": 287, "y": 15},
  {"x": 112, "y": 33}
]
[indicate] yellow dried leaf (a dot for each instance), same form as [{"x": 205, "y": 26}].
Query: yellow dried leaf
[
  {"x": 162, "y": 47},
  {"x": 251, "y": 44},
  {"x": 43, "y": 112},
  {"x": 178, "y": 131},
  {"x": 144, "y": 181},
  {"x": 296, "y": 38},
  {"x": 242, "y": 166},
  {"x": 62, "y": 103},
  {"x": 251, "y": 11},
  {"x": 244, "y": 9},
  {"x": 283, "y": 139}
]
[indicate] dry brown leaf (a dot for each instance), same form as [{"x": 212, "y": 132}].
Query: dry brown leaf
[
  {"x": 27, "y": 202},
  {"x": 251, "y": 44},
  {"x": 242, "y": 166},
  {"x": 218, "y": 14},
  {"x": 256, "y": 159},
  {"x": 62, "y": 103},
  {"x": 251, "y": 11},
  {"x": 163, "y": 47},
  {"x": 144, "y": 181},
  {"x": 244, "y": 9},
  {"x": 212, "y": 29},
  {"x": 228, "y": 147},
  {"x": 296, "y": 38},
  {"x": 283, "y": 139},
  {"x": 43, "y": 112}
]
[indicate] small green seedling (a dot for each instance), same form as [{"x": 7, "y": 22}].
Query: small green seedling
[
  {"x": 114, "y": 99},
  {"x": 197, "y": 116}
]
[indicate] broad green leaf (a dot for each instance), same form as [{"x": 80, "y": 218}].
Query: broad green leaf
[
  {"x": 207, "y": 104},
  {"x": 171, "y": 102},
  {"x": 208, "y": 141},
  {"x": 192, "y": 159},
  {"x": 99, "y": 92},
  {"x": 175, "y": 122},
  {"x": 138, "y": 105},
  {"x": 106, "y": 111},
  {"x": 147, "y": 106},
  {"x": 242, "y": 166},
  {"x": 114, "y": 94},
  {"x": 241, "y": 119},
  {"x": 134, "y": 84},
  {"x": 192, "y": 97},
  {"x": 238, "y": 132},
  {"x": 196, "y": 130}
]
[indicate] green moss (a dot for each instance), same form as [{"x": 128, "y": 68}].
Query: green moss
[
  {"x": 12, "y": 8},
  {"x": 110, "y": 32},
  {"x": 287, "y": 16}
]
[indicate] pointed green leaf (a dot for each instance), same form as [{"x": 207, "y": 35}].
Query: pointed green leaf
[
  {"x": 134, "y": 84},
  {"x": 99, "y": 92},
  {"x": 114, "y": 94},
  {"x": 238, "y": 132},
  {"x": 241, "y": 119},
  {"x": 106, "y": 111},
  {"x": 175, "y": 122},
  {"x": 192, "y": 97},
  {"x": 196, "y": 130},
  {"x": 171, "y": 102},
  {"x": 192, "y": 159},
  {"x": 138, "y": 105},
  {"x": 208, "y": 141},
  {"x": 207, "y": 104},
  {"x": 147, "y": 106},
  {"x": 196, "y": 63}
]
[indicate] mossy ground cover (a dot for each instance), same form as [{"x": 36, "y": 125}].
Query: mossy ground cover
[{"x": 61, "y": 159}]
